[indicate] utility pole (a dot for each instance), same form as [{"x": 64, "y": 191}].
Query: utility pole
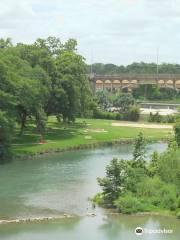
[
  {"x": 92, "y": 59},
  {"x": 157, "y": 70},
  {"x": 92, "y": 54}
]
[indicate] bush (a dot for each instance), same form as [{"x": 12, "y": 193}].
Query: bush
[
  {"x": 98, "y": 199},
  {"x": 155, "y": 118},
  {"x": 168, "y": 166},
  {"x": 97, "y": 114},
  {"x": 177, "y": 132},
  {"x": 170, "y": 118},
  {"x": 128, "y": 204},
  {"x": 133, "y": 114},
  {"x": 158, "y": 193},
  {"x": 161, "y": 119},
  {"x": 168, "y": 196}
]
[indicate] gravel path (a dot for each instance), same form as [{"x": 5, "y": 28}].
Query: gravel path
[{"x": 142, "y": 125}]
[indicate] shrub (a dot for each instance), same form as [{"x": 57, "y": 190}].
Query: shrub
[
  {"x": 168, "y": 196},
  {"x": 170, "y": 118},
  {"x": 158, "y": 193},
  {"x": 168, "y": 165},
  {"x": 177, "y": 132},
  {"x": 133, "y": 114},
  {"x": 99, "y": 199},
  {"x": 155, "y": 117},
  {"x": 97, "y": 114},
  {"x": 128, "y": 204},
  {"x": 164, "y": 119}
]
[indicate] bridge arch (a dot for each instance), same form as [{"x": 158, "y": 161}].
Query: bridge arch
[
  {"x": 116, "y": 85},
  {"x": 134, "y": 83},
  {"x": 99, "y": 84},
  {"x": 169, "y": 84},
  {"x": 161, "y": 82},
  {"x": 177, "y": 84},
  {"x": 116, "y": 82},
  {"x": 108, "y": 85},
  {"x": 125, "y": 82}
]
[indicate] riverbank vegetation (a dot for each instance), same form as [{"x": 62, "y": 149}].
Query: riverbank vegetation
[{"x": 137, "y": 185}]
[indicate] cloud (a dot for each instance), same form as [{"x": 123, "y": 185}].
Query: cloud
[{"x": 119, "y": 31}]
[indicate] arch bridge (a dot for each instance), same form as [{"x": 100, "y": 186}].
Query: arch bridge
[{"x": 114, "y": 83}]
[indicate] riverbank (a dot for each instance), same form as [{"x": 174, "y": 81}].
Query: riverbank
[
  {"x": 85, "y": 133},
  {"x": 160, "y": 212}
]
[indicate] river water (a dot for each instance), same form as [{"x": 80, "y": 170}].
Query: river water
[{"x": 62, "y": 183}]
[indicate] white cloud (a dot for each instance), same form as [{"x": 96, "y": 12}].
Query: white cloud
[{"x": 123, "y": 30}]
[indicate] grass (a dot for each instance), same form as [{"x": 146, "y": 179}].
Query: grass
[{"x": 60, "y": 136}]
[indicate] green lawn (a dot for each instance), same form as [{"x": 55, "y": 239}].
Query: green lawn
[{"x": 60, "y": 136}]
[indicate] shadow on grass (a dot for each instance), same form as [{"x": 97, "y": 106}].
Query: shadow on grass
[{"x": 54, "y": 131}]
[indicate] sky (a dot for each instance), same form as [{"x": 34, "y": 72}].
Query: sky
[{"x": 108, "y": 31}]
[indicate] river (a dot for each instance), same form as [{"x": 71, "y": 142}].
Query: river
[{"x": 50, "y": 185}]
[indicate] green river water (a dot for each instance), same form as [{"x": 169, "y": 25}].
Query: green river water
[{"x": 49, "y": 186}]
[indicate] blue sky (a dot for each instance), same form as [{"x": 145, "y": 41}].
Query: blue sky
[{"x": 113, "y": 31}]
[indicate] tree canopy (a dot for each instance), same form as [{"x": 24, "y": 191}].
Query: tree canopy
[{"x": 47, "y": 77}]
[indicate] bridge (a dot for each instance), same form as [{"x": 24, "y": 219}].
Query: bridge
[{"x": 114, "y": 83}]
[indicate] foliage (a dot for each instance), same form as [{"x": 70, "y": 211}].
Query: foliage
[
  {"x": 141, "y": 67},
  {"x": 177, "y": 132},
  {"x": 128, "y": 204},
  {"x": 114, "y": 182},
  {"x": 141, "y": 186},
  {"x": 124, "y": 102},
  {"x": 6, "y": 130},
  {"x": 45, "y": 78},
  {"x": 155, "y": 117},
  {"x": 139, "y": 152},
  {"x": 106, "y": 115},
  {"x": 133, "y": 114},
  {"x": 102, "y": 100}
]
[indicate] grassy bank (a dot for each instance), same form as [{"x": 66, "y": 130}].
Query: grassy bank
[{"x": 83, "y": 132}]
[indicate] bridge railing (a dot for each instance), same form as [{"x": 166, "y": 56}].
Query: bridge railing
[{"x": 136, "y": 76}]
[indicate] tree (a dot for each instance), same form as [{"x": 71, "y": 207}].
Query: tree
[
  {"x": 114, "y": 182},
  {"x": 72, "y": 79},
  {"x": 139, "y": 152},
  {"x": 124, "y": 102},
  {"x": 45, "y": 78},
  {"x": 6, "y": 133},
  {"x": 5, "y": 43},
  {"x": 102, "y": 99}
]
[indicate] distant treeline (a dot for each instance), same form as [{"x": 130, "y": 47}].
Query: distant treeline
[{"x": 146, "y": 68}]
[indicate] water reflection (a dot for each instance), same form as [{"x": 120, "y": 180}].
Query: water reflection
[{"x": 51, "y": 185}]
